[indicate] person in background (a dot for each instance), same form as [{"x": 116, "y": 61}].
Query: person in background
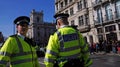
[
  {"x": 19, "y": 50},
  {"x": 66, "y": 47},
  {"x": 118, "y": 47},
  {"x": 114, "y": 47},
  {"x": 97, "y": 47}
]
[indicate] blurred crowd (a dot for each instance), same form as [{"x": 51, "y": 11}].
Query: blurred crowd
[{"x": 105, "y": 46}]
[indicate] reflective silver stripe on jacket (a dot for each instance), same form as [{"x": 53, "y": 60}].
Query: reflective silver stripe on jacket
[
  {"x": 49, "y": 60},
  {"x": 3, "y": 62},
  {"x": 72, "y": 56},
  {"x": 70, "y": 37},
  {"x": 5, "y": 53},
  {"x": 62, "y": 49},
  {"x": 19, "y": 44},
  {"x": 51, "y": 52},
  {"x": 16, "y": 54},
  {"x": 22, "y": 61},
  {"x": 61, "y": 41},
  {"x": 70, "y": 48},
  {"x": 21, "y": 54}
]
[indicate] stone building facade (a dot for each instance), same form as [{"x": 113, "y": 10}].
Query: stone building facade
[
  {"x": 39, "y": 30},
  {"x": 97, "y": 20}
]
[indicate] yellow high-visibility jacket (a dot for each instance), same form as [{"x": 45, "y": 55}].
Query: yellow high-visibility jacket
[
  {"x": 18, "y": 52},
  {"x": 66, "y": 43}
]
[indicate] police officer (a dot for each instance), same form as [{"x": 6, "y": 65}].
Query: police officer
[
  {"x": 18, "y": 49},
  {"x": 66, "y": 47}
]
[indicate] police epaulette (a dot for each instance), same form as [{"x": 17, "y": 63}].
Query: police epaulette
[
  {"x": 53, "y": 32},
  {"x": 7, "y": 38},
  {"x": 13, "y": 35}
]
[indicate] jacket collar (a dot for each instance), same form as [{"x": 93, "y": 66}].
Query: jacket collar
[
  {"x": 63, "y": 26},
  {"x": 21, "y": 35}
]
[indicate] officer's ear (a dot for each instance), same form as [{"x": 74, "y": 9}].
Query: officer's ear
[{"x": 59, "y": 22}]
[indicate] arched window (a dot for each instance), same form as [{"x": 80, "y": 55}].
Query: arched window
[
  {"x": 117, "y": 6},
  {"x": 38, "y": 19}
]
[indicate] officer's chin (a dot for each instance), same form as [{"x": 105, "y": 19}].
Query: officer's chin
[{"x": 23, "y": 32}]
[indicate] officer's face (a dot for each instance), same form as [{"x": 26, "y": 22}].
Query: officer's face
[{"x": 22, "y": 28}]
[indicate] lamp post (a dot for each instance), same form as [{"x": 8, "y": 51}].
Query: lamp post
[{"x": 13, "y": 28}]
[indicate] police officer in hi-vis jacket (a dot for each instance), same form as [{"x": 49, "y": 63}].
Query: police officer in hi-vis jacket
[
  {"x": 66, "y": 47},
  {"x": 19, "y": 50}
]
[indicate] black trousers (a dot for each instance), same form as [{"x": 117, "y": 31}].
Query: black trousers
[{"x": 73, "y": 63}]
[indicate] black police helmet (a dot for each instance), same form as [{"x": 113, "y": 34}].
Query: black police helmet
[
  {"x": 61, "y": 15},
  {"x": 22, "y": 20}
]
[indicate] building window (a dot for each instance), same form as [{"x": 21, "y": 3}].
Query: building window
[
  {"x": 72, "y": 22},
  {"x": 70, "y": 1},
  {"x": 85, "y": 3},
  {"x": 71, "y": 11},
  {"x": 61, "y": 4},
  {"x": 97, "y": 1},
  {"x": 56, "y": 6},
  {"x": 110, "y": 28},
  {"x": 38, "y": 34},
  {"x": 100, "y": 38},
  {"x": 106, "y": 29},
  {"x": 79, "y": 5},
  {"x": 38, "y": 19},
  {"x": 100, "y": 30},
  {"x": 66, "y": 2},
  {"x": 86, "y": 19},
  {"x": 111, "y": 36},
  {"x": 117, "y": 6},
  {"x": 99, "y": 15},
  {"x": 80, "y": 18},
  {"x": 108, "y": 11}
]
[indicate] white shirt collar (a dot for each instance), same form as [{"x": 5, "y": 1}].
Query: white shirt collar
[
  {"x": 63, "y": 26},
  {"x": 21, "y": 35}
]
